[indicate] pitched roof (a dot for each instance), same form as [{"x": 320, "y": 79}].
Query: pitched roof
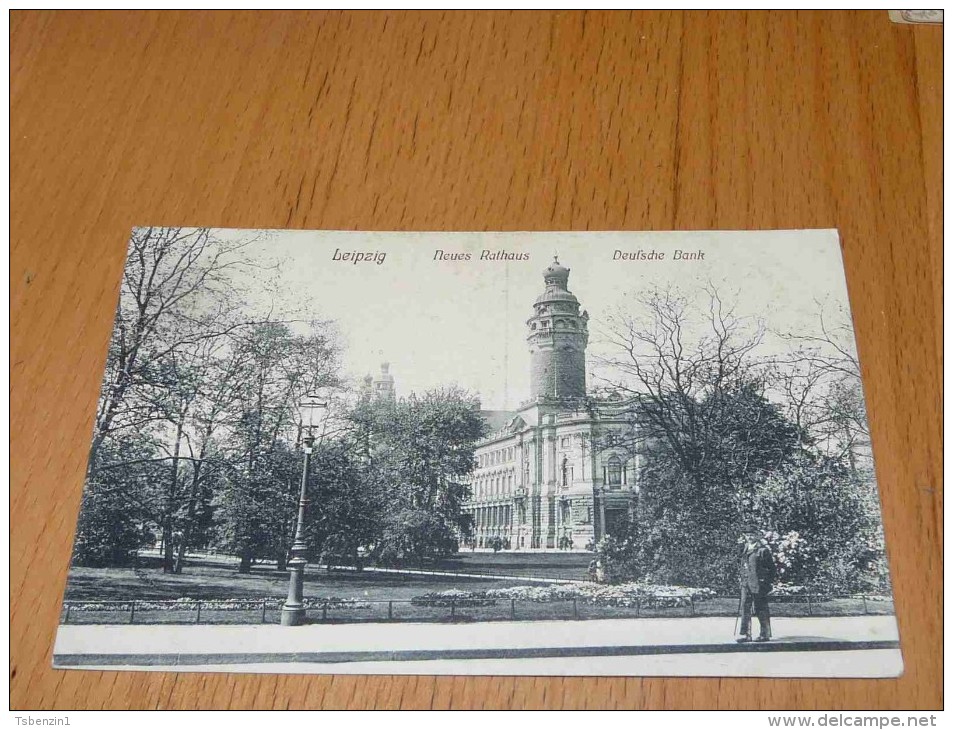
[{"x": 495, "y": 420}]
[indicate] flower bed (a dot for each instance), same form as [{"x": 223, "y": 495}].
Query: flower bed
[
  {"x": 222, "y": 604},
  {"x": 453, "y": 597},
  {"x": 784, "y": 590},
  {"x": 623, "y": 595}
]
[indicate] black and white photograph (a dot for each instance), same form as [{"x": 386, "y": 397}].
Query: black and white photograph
[{"x": 586, "y": 453}]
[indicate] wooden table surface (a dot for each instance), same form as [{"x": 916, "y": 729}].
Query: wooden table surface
[{"x": 468, "y": 121}]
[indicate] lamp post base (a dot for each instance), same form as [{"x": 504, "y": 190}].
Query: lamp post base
[
  {"x": 293, "y": 612},
  {"x": 292, "y": 615}
]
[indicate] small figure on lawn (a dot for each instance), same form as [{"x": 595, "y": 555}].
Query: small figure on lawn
[
  {"x": 758, "y": 572},
  {"x": 597, "y": 571}
]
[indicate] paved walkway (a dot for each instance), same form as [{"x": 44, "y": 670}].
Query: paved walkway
[{"x": 840, "y": 646}]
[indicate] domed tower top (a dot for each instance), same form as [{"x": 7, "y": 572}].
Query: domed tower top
[
  {"x": 556, "y": 277},
  {"x": 556, "y": 274}
]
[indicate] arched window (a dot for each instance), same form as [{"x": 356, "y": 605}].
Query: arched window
[
  {"x": 614, "y": 472},
  {"x": 565, "y": 472}
]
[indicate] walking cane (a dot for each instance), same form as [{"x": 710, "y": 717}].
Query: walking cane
[{"x": 738, "y": 614}]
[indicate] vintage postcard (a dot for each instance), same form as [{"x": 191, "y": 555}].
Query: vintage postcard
[{"x": 482, "y": 453}]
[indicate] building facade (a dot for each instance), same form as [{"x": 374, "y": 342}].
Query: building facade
[{"x": 559, "y": 472}]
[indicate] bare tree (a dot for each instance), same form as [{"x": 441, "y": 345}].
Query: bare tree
[
  {"x": 679, "y": 363},
  {"x": 821, "y": 383},
  {"x": 175, "y": 293},
  {"x": 199, "y": 386}
]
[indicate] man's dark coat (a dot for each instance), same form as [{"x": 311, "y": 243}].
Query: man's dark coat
[
  {"x": 757, "y": 578},
  {"x": 759, "y": 570}
]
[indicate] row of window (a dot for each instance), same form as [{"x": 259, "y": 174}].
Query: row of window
[
  {"x": 486, "y": 488},
  {"x": 508, "y": 453},
  {"x": 542, "y": 309},
  {"x": 497, "y": 516},
  {"x": 610, "y": 439},
  {"x": 499, "y": 456},
  {"x": 559, "y": 323},
  {"x": 614, "y": 472}
]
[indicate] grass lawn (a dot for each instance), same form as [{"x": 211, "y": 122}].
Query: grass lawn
[
  {"x": 213, "y": 580},
  {"x": 218, "y": 579},
  {"x": 383, "y": 596},
  {"x": 534, "y": 565}
]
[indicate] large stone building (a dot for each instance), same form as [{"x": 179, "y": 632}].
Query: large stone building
[{"x": 559, "y": 471}]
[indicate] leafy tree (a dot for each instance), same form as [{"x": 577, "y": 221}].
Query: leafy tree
[
  {"x": 835, "y": 517},
  {"x": 105, "y": 534},
  {"x": 422, "y": 450},
  {"x": 256, "y": 508},
  {"x": 618, "y": 557},
  {"x": 347, "y": 507},
  {"x": 116, "y": 507},
  {"x": 278, "y": 368}
]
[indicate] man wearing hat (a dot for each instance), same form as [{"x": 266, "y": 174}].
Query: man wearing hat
[{"x": 757, "y": 576}]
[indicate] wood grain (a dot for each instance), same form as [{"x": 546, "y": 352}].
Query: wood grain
[{"x": 459, "y": 121}]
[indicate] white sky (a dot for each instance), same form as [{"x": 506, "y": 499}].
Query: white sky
[{"x": 463, "y": 322}]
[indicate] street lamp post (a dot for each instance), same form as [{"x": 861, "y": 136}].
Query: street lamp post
[{"x": 293, "y": 612}]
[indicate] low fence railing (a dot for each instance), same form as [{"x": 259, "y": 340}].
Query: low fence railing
[{"x": 448, "y": 610}]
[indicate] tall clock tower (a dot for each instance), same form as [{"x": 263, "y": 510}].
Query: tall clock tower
[{"x": 557, "y": 335}]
